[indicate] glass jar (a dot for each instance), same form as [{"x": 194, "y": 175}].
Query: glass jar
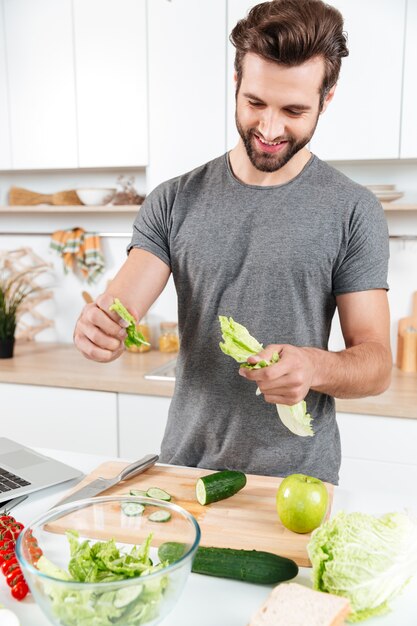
[
  {"x": 144, "y": 329},
  {"x": 168, "y": 337}
]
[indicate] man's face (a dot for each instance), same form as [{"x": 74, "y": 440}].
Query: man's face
[{"x": 277, "y": 109}]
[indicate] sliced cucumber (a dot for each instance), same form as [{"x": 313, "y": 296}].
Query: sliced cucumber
[
  {"x": 132, "y": 508},
  {"x": 138, "y": 492},
  {"x": 125, "y": 596},
  {"x": 159, "y": 516},
  {"x": 219, "y": 486},
  {"x": 159, "y": 494}
]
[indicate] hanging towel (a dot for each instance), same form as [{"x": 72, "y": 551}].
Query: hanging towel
[{"x": 80, "y": 251}]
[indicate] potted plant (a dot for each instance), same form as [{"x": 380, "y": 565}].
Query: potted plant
[{"x": 14, "y": 289}]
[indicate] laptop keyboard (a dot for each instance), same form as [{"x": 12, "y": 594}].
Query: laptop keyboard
[{"x": 9, "y": 481}]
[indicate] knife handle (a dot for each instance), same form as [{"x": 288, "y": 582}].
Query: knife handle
[{"x": 138, "y": 466}]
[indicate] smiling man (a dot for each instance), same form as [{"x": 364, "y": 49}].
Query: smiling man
[{"x": 275, "y": 238}]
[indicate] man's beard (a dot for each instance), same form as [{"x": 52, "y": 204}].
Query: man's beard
[{"x": 267, "y": 162}]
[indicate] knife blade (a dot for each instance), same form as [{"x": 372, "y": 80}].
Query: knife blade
[{"x": 101, "y": 484}]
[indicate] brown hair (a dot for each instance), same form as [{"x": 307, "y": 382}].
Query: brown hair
[{"x": 291, "y": 32}]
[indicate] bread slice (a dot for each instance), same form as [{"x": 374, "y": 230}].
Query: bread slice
[{"x": 291, "y": 604}]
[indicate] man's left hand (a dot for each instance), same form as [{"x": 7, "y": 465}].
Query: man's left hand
[{"x": 285, "y": 382}]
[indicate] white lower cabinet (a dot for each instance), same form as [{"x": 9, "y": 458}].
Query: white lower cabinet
[
  {"x": 64, "y": 419},
  {"x": 142, "y": 421},
  {"x": 378, "y": 438}
]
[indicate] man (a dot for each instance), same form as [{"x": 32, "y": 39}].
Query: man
[{"x": 275, "y": 238}]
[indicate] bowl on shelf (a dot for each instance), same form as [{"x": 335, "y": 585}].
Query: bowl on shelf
[
  {"x": 55, "y": 572},
  {"x": 95, "y": 196}
]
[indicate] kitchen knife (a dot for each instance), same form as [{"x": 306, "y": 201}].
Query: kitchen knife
[{"x": 101, "y": 484}]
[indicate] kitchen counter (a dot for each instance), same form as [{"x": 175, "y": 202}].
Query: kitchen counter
[
  {"x": 372, "y": 487},
  {"x": 61, "y": 365}
]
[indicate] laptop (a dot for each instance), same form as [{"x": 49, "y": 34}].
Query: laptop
[{"x": 23, "y": 470}]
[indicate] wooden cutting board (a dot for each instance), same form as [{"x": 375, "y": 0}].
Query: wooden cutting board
[{"x": 248, "y": 520}]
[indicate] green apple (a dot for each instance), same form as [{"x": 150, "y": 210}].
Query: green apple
[{"x": 302, "y": 502}]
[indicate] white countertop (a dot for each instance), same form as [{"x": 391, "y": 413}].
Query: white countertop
[{"x": 370, "y": 487}]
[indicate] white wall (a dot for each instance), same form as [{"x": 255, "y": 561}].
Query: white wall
[{"x": 67, "y": 302}]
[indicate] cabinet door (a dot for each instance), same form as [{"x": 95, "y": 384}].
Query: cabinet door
[
  {"x": 363, "y": 120},
  {"x": 409, "y": 119},
  {"x": 5, "y": 153},
  {"x": 236, "y": 10},
  {"x": 65, "y": 419},
  {"x": 187, "y": 89},
  {"x": 41, "y": 83},
  {"x": 142, "y": 421},
  {"x": 378, "y": 438},
  {"x": 111, "y": 79}
]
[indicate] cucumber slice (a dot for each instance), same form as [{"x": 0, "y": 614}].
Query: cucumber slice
[
  {"x": 159, "y": 494},
  {"x": 138, "y": 492},
  {"x": 123, "y": 597},
  {"x": 159, "y": 516},
  {"x": 219, "y": 486},
  {"x": 132, "y": 508}
]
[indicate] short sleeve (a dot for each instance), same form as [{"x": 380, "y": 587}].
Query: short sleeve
[
  {"x": 152, "y": 225},
  {"x": 363, "y": 262}
]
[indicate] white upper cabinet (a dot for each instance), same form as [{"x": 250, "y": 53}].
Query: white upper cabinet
[
  {"x": 363, "y": 121},
  {"x": 187, "y": 85},
  {"x": 41, "y": 83},
  {"x": 111, "y": 82},
  {"x": 5, "y": 149},
  {"x": 409, "y": 120},
  {"x": 236, "y": 10}
]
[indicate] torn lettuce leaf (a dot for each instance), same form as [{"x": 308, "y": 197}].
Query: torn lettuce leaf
[
  {"x": 134, "y": 336},
  {"x": 239, "y": 344}
]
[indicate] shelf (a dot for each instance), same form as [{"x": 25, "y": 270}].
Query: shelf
[
  {"x": 79, "y": 208},
  {"x": 393, "y": 206}
]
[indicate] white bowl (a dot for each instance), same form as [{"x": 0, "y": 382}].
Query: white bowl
[{"x": 95, "y": 196}]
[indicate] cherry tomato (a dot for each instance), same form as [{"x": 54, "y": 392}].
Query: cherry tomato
[
  {"x": 6, "y": 533},
  {"x": 35, "y": 552},
  {"x": 5, "y": 520},
  {"x": 7, "y": 565},
  {"x": 9, "y": 556},
  {"x": 14, "y": 577},
  {"x": 20, "y": 590}
]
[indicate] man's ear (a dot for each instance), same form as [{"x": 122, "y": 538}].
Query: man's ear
[{"x": 328, "y": 99}]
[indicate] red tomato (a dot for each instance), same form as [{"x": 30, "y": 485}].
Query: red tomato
[
  {"x": 35, "y": 552},
  {"x": 6, "y": 533},
  {"x": 14, "y": 577},
  {"x": 8, "y": 558},
  {"x": 20, "y": 590},
  {"x": 5, "y": 520},
  {"x": 7, "y": 565}
]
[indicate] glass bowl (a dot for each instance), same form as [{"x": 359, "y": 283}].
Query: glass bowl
[{"x": 144, "y": 599}]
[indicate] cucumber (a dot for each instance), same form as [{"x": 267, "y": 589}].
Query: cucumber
[
  {"x": 138, "y": 492},
  {"x": 219, "y": 486},
  {"x": 262, "y": 568},
  {"x": 132, "y": 508},
  {"x": 160, "y": 516},
  {"x": 159, "y": 494},
  {"x": 124, "y": 596}
]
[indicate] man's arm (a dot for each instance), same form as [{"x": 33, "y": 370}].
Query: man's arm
[
  {"x": 99, "y": 334},
  {"x": 362, "y": 369}
]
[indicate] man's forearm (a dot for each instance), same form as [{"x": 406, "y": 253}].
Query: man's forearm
[{"x": 359, "y": 371}]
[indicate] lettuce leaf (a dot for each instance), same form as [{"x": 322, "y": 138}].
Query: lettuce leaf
[
  {"x": 134, "y": 336},
  {"x": 365, "y": 559},
  {"x": 103, "y": 562},
  {"x": 239, "y": 344}
]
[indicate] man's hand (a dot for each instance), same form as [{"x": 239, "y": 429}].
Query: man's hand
[
  {"x": 99, "y": 334},
  {"x": 285, "y": 382}
]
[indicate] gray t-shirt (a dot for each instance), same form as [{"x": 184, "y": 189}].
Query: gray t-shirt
[{"x": 273, "y": 258}]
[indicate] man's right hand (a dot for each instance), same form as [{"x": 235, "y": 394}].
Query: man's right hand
[{"x": 99, "y": 333}]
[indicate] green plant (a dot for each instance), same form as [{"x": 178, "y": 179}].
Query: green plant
[{"x": 14, "y": 289}]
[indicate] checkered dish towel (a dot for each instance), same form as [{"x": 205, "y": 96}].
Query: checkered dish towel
[{"x": 79, "y": 250}]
